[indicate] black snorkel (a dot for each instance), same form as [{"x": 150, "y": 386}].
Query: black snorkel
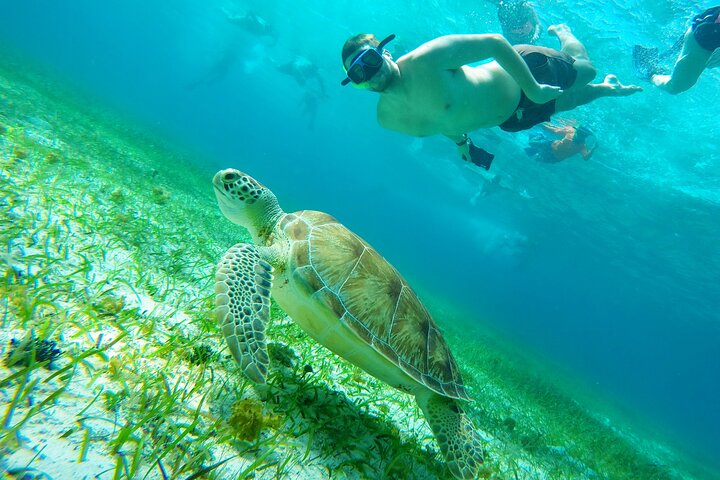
[{"x": 387, "y": 40}]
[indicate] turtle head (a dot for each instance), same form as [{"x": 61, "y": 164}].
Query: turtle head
[{"x": 247, "y": 202}]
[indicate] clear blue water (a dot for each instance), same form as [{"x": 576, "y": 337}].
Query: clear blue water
[{"x": 608, "y": 267}]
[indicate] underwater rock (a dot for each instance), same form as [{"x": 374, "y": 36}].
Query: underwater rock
[{"x": 21, "y": 352}]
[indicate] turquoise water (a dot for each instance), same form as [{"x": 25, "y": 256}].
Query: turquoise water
[{"x": 608, "y": 268}]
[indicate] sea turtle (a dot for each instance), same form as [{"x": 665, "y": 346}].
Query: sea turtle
[{"x": 346, "y": 296}]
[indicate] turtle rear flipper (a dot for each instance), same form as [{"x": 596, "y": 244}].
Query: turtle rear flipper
[
  {"x": 242, "y": 306},
  {"x": 455, "y": 433}
]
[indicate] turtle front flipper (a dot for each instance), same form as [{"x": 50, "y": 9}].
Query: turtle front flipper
[
  {"x": 455, "y": 433},
  {"x": 242, "y": 306}
]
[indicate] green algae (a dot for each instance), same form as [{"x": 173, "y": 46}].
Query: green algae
[{"x": 99, "y": 259}]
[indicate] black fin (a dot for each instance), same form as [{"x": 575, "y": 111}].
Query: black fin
[
  {"x": 481, "y": 158},
  {"x": 645, "y": 60}
]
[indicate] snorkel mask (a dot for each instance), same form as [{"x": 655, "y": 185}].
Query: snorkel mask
[{"x": 366, "y": 64}]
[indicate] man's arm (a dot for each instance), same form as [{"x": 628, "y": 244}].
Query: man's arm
[{"x": 453, "y": 51}]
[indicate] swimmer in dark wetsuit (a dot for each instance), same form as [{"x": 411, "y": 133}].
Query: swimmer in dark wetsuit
[
  {"x": 254, "y": 24},
  {"x": 701, "y": 50},
  {"x": 433, "y": 90},
  {"x": 303, "y": 71}
]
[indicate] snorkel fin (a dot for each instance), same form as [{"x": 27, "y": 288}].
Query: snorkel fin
[
  {"x": 480, "y": 157},
  {"x": 645, "y": 60}
]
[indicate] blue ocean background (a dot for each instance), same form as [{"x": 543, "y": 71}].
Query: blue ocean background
[{"x": 607, "y": 271}]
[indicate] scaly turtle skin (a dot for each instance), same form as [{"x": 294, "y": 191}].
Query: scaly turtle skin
[{"x": 343, "y": 294}]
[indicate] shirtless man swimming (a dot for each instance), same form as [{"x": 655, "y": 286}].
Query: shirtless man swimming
[{"x": 433, "y": 91}]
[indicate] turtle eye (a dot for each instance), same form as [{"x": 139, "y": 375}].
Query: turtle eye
[{"x": 230, "y": 177}]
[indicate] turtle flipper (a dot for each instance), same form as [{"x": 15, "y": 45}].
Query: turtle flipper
[
  {"x": 455, "y": 433},
  {"x": 242, "y": 306}
]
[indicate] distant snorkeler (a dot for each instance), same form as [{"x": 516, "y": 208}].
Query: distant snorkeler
[
  {"x": 519, "y": 21},
  {"x": 303, "y": 71},
  {"x": 309, "y": 105},
  {"x": 254, "y": 24},
  {"x": 700, "y": 51},
  {"x": 574, "y": 141},
  {"x": 488, "y": 187}
]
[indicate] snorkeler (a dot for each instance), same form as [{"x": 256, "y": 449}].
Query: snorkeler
[
  {"x": 700, "y": 51},
  {"x": 432, "y": 90},
  {"x": 489, "y": 187},
  {"x": 254, "y": 24},
  {"x": 303, "y": 71},
  {"x": 309, "y": 105},
  {"x": 574, "y": 141},
  {"x": 518, "y": 20}
]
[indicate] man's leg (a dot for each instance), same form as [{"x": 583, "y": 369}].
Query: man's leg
[
  {"x": 690, "y": 64},
  {"x": 610, "y": 87},
  {"x": 572, "y": 46}
]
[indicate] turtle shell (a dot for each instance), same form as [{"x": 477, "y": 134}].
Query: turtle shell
[{"x": 342, "y": 271}]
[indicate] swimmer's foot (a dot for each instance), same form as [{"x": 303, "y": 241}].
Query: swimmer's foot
[
  {"x": 659, "y": 80},
  {"x": 559, "y": 30},
  {"x": 617, "y": 89}
]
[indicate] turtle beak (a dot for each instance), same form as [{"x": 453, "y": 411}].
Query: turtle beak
[{"x": 222, "y": 189}]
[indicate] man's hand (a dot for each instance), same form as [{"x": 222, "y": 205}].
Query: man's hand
[{"x": 543, "y": 93}]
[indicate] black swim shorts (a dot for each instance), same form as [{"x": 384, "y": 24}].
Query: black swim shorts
[
  {"x": 549, "y": 67},
  {"x": 706, "y": 30}
]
